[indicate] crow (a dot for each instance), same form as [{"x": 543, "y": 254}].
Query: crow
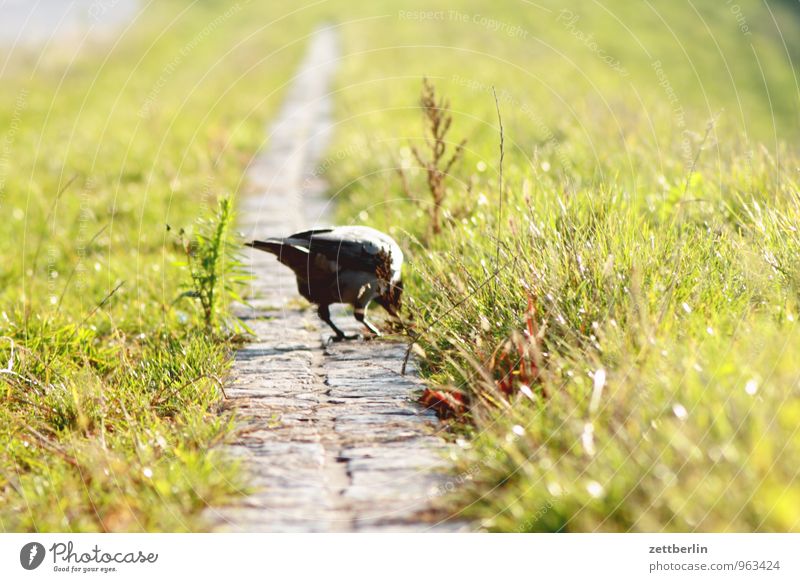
[{"x": 342, "y": 264}]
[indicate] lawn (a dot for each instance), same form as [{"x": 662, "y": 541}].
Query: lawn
[
  {"x": 111, "y": 384},
  {"x": 615, "y": 330}
]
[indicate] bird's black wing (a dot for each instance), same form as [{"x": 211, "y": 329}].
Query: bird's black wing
[
  {"x": 348, "y": 251},
  {"x": 307, "y": 234}
]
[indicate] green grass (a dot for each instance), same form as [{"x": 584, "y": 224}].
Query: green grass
[
  {"x": 662, "y": 389},
  {"x": 110, "y": 419}
]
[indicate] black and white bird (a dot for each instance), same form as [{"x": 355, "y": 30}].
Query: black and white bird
[{"x": 342, "y": 264}]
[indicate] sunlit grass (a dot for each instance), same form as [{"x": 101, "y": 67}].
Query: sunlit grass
[
  {"x": 109, "y": 418},
  {"x": 651, "y": 235}
]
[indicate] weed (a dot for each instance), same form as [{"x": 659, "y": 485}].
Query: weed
[
  {"x": 437, "y": 120},
  {"x": 215, "y": 270}
]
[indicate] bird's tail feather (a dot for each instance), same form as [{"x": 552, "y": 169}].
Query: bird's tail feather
[
  {"x": 292, "y": 255},
  {"x": 270, "y": 245}
]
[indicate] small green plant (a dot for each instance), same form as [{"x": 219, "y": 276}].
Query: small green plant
[{"x": 214, "y": 267}]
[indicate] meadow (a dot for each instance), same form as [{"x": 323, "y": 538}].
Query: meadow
[
  {"x": 614, "y": 329},
  {"x": 607, "y": 319},
  {"x": 115, "y": 156}
]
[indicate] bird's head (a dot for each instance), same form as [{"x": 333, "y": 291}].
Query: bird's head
[
  {"x": 389, "y": 283},
  {"x": 390, "y": 299}
]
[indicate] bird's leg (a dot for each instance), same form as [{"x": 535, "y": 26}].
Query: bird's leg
[
  {"x": 325, "y": 315},
  {"x": 361, "y": 316}
]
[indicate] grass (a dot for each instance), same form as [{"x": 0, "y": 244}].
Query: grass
[
  {"x": 110, "y": 393},
  {"x": 620, "y": 320}
]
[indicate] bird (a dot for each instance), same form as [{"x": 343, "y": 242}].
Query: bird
[{"x": 342, "y": 264}]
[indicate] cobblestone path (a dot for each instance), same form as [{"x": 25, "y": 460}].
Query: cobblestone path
[{"x": 333, "y": 439}]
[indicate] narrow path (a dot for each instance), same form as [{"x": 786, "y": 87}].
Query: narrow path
[{"x": 332, "y": 437}]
